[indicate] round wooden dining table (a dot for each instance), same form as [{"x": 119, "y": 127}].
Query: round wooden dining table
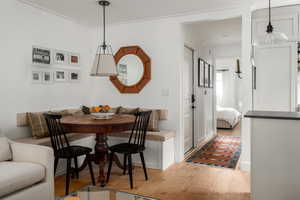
[{"x": 87, "y": 124}]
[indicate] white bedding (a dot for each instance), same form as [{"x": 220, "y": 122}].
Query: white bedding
[{"x": 231, "y": 115}]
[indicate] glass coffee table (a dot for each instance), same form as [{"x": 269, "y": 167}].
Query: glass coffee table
[{"x": 99, "y": 193}]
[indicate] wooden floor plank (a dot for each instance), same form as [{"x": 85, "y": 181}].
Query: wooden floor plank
[
  {"x": 180, "y": 182},
  {"x": 183, "y": 181}
]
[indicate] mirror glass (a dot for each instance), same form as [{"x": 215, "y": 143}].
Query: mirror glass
[{"x": 130, "y": 69}]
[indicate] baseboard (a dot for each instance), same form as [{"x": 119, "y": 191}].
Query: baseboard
[{"x": 245, "y": 166}]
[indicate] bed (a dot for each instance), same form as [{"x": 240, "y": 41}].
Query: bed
[{"x": 227, "y": 118}]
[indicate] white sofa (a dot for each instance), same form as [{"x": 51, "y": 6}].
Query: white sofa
[{"x": 26, "y": 171}]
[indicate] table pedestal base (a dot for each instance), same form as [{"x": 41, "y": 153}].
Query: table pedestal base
[{"x": 100, "y": 157}]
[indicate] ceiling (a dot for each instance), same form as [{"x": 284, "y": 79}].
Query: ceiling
[
  {"x": 212, "y": 33},
  {"x": 87, "y": 11}
]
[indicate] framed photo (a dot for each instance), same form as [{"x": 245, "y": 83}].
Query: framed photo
[
  {"x": 60, "y": 57},
  {"x": 41, "y": 56},
  {"x": 74, "y": 76},
  {"x": 206, "y": 75},
  {"x": 211, "y": 76},
  {"x": 47, "y": 77},
  {"x": 36, "y": 77},
  {"x": 74, "y": 59},
  {"x": 200, "y": 72},
  {"x": 60, "y": 76}
]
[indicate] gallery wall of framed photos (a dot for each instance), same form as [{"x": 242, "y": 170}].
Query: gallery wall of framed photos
[
  {"x": 205, "y": 74},
  {"x": 54, "y": 66}
]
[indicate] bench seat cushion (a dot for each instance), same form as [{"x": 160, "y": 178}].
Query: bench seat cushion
[
  {"x": 151, "y": 135},
  {"x": 15, "y": 176},
  {"x": 47, "y": 141}
]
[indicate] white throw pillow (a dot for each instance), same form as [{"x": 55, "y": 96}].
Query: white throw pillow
[{"x": 5, "y": 152}]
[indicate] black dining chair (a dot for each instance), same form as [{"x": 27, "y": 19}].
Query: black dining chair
[
  {"x": 63, "y": 150},
  {"x": 135, "y": 145}
]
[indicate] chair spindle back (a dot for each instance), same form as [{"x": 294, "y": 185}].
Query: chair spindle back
[
  {"x": 58, "y": 137},
  {"x": 139, "y": 131}
]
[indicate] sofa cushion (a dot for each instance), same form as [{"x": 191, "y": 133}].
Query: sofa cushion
[
  {"x": 15, "y": 176},
  {"x": 38, "y": 125},
  {"x": 75, "y": 112},
  {"x": 46, "y": 141},
  {"x": 115, "y": 110},
  {"x": 129, "y": 111},
  {"x": 5, "y": 152},
  {"x": 63, "y": 113}
]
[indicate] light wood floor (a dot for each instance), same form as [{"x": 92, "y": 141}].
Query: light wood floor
[
  {"x": 183, "y": 181},
  {"x": 236, "y": 131}
]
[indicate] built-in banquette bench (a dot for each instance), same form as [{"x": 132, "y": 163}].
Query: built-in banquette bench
[{"x": 159, "y": 153}]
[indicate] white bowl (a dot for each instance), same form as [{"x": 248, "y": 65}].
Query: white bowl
[{"x": 102, "y": 115}]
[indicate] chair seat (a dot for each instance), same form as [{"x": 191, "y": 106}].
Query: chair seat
[
  {"x": 73, "y": 151},
  {"x": 126, "y": 148}
]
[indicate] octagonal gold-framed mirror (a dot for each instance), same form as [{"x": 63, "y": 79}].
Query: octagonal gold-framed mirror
[{"x": 134, "y": 69}]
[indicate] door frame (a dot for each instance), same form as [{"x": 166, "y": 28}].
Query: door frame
[{"x": 193, "y": 98}]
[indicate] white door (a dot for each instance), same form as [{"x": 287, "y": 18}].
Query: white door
[
  {"x": 188, "y": 105},
  {"x": 275, "y": 76}
]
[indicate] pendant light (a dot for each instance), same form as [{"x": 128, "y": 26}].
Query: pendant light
[
  {"x": 104, "y": 63},
  {"x": 272, "y": 36}
]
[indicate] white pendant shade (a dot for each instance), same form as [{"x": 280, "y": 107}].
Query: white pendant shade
[
  {"x": 104, "y": 65},
  {"x": 273, "y": 38}
]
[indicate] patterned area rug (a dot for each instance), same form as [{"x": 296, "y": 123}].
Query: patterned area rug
[{"x": 222, "y": 151}]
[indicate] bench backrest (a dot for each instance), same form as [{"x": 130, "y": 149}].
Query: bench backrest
[{"x": 22, "y": 118}]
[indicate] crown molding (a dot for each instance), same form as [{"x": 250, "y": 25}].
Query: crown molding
[
  {"x": 49, "y": 11},
  {"x": 189, "y": 17},
  {"x": 276, "y": 3},
  {"x": 183, "y": 17}
]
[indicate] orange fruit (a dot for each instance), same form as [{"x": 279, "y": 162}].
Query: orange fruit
[{"x": 97, "y": 109}]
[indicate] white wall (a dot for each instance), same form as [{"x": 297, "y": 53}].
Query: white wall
[
  {"x": 217, "y": 46},
  {"x": 224, "y": 51},
  {"x": 245, "y": 88},
  {"x": 298, "y": 89},
  {"x": 245, "y": 85},
  {"x": 200, "y": 117},
  {"x": 226, "y": 58},
  {"x": 161, "y": 40},
  {"x": 208, "y": 96},
  {"x": 21, "y": 27}
]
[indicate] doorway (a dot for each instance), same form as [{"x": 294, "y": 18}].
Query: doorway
[
  {"x": 218, "y": 102},
  {"x": 189, "y": 99}
]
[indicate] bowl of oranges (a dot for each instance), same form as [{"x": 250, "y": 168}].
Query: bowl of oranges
[{"x": 102, "y": 112}]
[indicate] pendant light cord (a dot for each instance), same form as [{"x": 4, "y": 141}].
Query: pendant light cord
[
  {"x": 104, "y": 39},
  {"x": 270, "y": 27},
  {"x": 270, "y": 11}
]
